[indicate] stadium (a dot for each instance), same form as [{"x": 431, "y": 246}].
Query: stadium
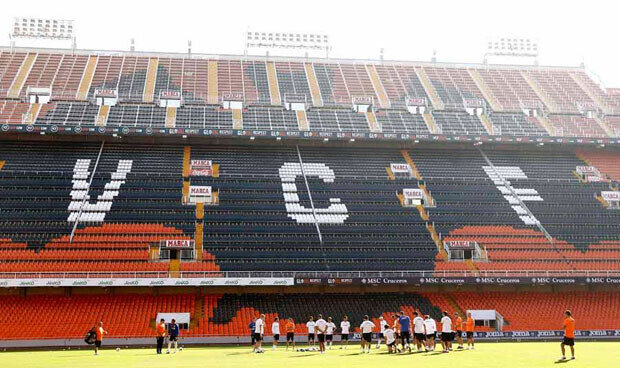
[{"x": 212, "y": 189}]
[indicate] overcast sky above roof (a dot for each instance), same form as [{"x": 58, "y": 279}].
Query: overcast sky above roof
[{"x": 568, "y": 32}]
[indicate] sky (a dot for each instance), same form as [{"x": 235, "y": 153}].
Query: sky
[{"x": 568, "y": 32}]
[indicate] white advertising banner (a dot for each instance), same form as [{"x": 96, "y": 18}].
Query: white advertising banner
[
  {"x": 179, "y": 243},
  {"x": 413, "y": 193},
  {"x": 611, "y": 196},
  {"x": 587, "y": 170},
  {"x": 212, "y": 281},
  {"x": 400, "y": 168},
  {"x": 199, "y": 191}
]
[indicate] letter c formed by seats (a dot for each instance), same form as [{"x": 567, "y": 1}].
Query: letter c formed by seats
[{"x": 336, "y": 213}]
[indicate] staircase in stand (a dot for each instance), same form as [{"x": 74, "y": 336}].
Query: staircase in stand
[
  {"x": 171, "y": 117},
  {"x": 87, "y": 78},
  {"x": 384, "y": 101},
  {"x": 212, "y": 86},
  {"x": 274, "y": 89},
  {"x": 486, "y": 122},
  {"x": 430, "y": 123},
  {"x": 302, "y": 120},
  {"x": 237, "y": 117},
  {"x": 314, "y": 85},
  {"x": 32, "y": 114},
  {"x": 373, "y": 125},
  {"x": 151, "y": 78},
  {"x": 578, "y": 78},
  {"x": 429, "y": 88},
  {"x": 539, "y": 92},
  {"x": 102, "y": 116},
  {"x": 22, "y": 74},
  {"x": 486, "y": 91}
]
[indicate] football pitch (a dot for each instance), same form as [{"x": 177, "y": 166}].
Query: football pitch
[{"x": 504, "y": 355}]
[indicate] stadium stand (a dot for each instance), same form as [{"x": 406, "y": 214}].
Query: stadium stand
[{"x": 83, "y": 206}]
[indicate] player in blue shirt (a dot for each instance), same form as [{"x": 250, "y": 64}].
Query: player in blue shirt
[
  {"x": 405, "y": 330},
  {"x": 252, "y": 327},
  {"x": 173, "y": 335}
]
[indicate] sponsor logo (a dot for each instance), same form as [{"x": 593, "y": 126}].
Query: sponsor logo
[
  {"x": 520, "y": 334},
  {"x": 255, "y": 282},
  {"x": 545, "y": 333},
  {"x": 132, "y": 283},
  {"x": 156, "y": 282},
  {"x": 5, "y": 127},
  {"x": 181, "y": 282},
  {"x": 495, "y": 334},
  {"x": 598, "y": 333},
  {"x": 105, "y": 283},
  {"x": 207, "y": 282},
  {"x": 280, "y": 282},
  {"x": 80, "y": 283}
]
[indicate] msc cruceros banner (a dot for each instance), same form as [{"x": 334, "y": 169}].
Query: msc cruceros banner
[{"x": 505, "y": 280}]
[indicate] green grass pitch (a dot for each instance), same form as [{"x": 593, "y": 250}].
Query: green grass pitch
[{"x": 486, "y": 355}]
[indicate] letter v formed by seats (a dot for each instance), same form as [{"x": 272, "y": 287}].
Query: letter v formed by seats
[
  {"x": 81, "y": 209},
  {"x": 336, "y": 213}
]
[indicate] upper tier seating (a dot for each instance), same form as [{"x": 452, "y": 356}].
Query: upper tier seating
[
  {"x": 509, "y": 88},
  {"x": 563, "y": 91},
  {"x": 453, "y": 85},
  {"x": 400, "y": 82},
  {"x": 576, "y": 126}
]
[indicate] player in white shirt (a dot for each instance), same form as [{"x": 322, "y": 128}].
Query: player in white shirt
[
  {"x": 419, "y": 331},
  {"x": 345, "y": 325},
  {"x": 259, "y": 331},
  {"x": 321, "y": 329},
  {"x": 382, "y": 326},
  {"x": 431, "y": 332},
  {"x": 275, "y": 330},
  {"x": 311, "y": 325},
  {"x": 329, "y": 335},
  {"x": 366, "y": 327},
  {"x": 446, "y": 332},
  {"x": 390, "y": 340}
]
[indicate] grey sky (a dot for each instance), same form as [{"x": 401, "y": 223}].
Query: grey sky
[{"x": 568, "y": 32}]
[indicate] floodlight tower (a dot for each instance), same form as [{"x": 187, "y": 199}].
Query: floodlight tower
[
  {"x": 43, "y": 29},
  {"x": 272, "y": 41},
  {"x": 513, "y": 48}
]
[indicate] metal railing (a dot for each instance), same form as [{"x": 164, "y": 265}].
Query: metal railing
[{"x": 306, "y": 274}]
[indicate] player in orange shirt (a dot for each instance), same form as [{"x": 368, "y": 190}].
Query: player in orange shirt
[
  {"x": 469, "y": 330},
  {"x": 99, "y": 332},
  {"x": 160, "y": 333},
  {"x": 458, "y": 329},
  {"x": 290, "y": 333},
  {"x": 569, "y": 335}
]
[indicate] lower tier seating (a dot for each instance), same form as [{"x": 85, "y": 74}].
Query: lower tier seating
[{"x": 129, "y": 314}]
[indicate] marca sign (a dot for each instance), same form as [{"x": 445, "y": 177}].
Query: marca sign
[
  {"x": 179, "y": 243},
  {"x": 400, "y": 168},
  {"x": 611, "y": 196},
  {"x": 199, "y": 191},
  {"x": 213, "y": 281},
  {"x": 413, "y": 193}
]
